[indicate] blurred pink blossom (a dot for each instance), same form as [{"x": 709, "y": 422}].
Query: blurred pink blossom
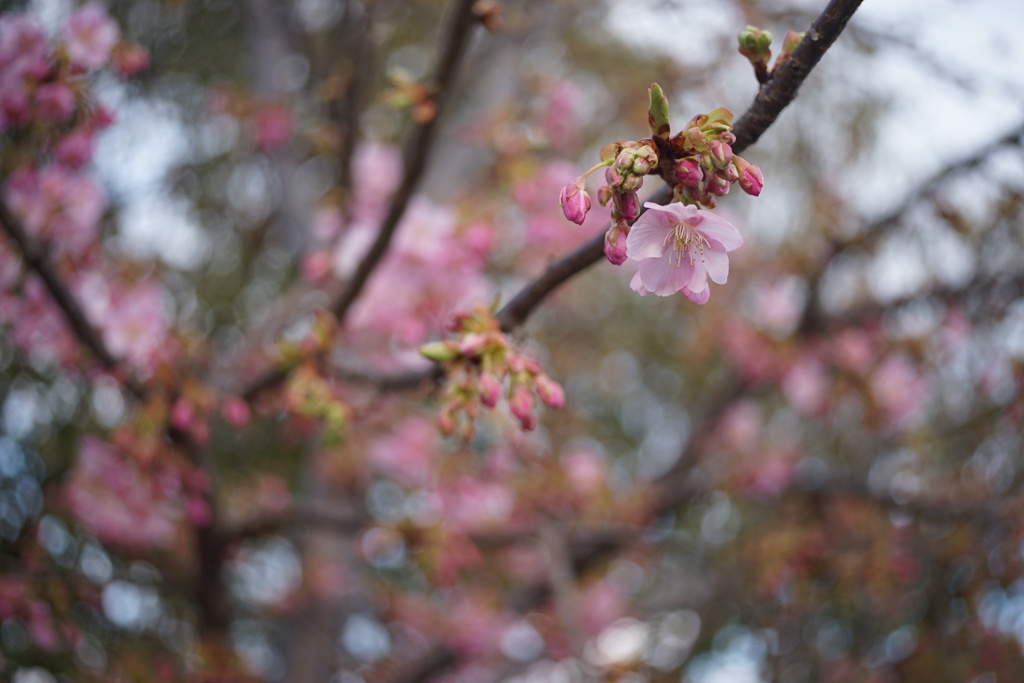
[
  {"x": 899, "y": 389},
  {"x": 118, "y": 503},
  {"x": 90, "y": 34},
  {"x": 408, "y": 453},
  {"x": 806, "y": 385}
]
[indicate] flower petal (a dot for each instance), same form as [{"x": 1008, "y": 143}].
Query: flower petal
[
  {"x": 637, "y": 285},
  {"x": 720, "y": 230},
  {"x": 717, "y": 264},
  {"x": 647, "y": 237},
  {"x": 699, "y": 281},
  {"x": 663, "y": 277},
  {"x": 697, "y": 297}
]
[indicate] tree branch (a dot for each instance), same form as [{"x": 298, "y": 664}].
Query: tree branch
[
  {"x": 774, "y": 96},
  {"x": 73, "y": 313},
  {"x": 420, "y": 143}
]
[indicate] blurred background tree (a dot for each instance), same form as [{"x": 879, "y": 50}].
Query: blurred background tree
[{"x": 228, "y": 466}]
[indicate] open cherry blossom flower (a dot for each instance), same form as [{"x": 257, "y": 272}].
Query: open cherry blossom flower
[{"x": 678, "y": 248}]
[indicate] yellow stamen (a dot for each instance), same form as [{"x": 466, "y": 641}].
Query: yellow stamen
[{"x": 685, "y": 240}]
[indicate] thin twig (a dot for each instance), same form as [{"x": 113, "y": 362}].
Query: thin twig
[{"x": 420, "y": 143}]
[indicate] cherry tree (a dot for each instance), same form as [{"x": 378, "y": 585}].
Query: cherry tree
[{"x": 502, "y": 341}]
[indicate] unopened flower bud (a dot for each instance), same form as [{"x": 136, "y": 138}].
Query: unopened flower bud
[
  {"x": 632, "y": 183},
  {"x": 755, "y": 43},
  {"x": 549, "y": 391},
  {"x": 520, "y": 402},
  {"x": 440, "y": 351},
  {"x": 575, "y": 202},
  {"x": 627, "y": 206},
  {"x": 473, "y": 344},
  {"x": 604, "y": 195},
  {"x": 624, "y": 162},
  {"x": 751, "y": 181},
  {"x": 657, "y": 114},
  {"x": 489, "y": 389},
  {"x": 613, "y": 179},
  {"x": 720, "y": 153},
  {"x": 615, "y": 244},
  {"x": 446, "y": 421},
  {"x": 688, "y": 172},
  {"x": 718, "y": 186},
  {"x": 729, "y": 174}
]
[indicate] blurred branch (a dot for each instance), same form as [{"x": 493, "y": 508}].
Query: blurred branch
[
  {"x": 73, "y": 313},
  {"x": 273, "y": 523},
  {"x": 869, "y": 236},
  {"x": 421, "y": 141},
  {"x": 563, "y": 585}
]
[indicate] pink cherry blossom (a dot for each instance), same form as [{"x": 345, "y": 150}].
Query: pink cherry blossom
[
  {"x": 117, "y": 502},
  {"x": 408, "y": 453},
  {"x": 90, "y": 34},
  {"x": 678, "y": 248}
]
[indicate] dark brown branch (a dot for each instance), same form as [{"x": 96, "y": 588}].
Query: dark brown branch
[
  {"x": 456, "y": 40},
  {"x": 73, "y": 313},
  {"x": 781, "y": 89}
]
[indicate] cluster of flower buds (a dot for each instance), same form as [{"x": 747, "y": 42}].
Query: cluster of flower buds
[
  {"x": 481, "y": 367},
  {"x": 310, "y": 396},
  {"x": 625, "y": 164},
  {"x": 704, "y": 166},
  {"x": 698, "y": 163},
  {"x": 755, "y": 45},
  {"x": 630, "y": 162}
]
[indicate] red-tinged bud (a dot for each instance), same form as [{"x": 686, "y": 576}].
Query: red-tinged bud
[
  {"x": 515, "y": 364},
  {"x": 720, "y": 153},
  {"x": 627, "y": 206},
  {"x": 489, "y": 389},
  {"x": 440, "y": 351},
  {"x": 624, "y": 162},
  {"x": 729, "y": 174},
  {"x": 604, "y": 195},
  {"x": 718, "y": 186},
  {"x": 129, "y": 58},
  {"x": 549, "y": 391},
  {"x": 696, "y": 139},
  {"x": 632, "y": 183},
  {"x": 520, "y": 402},
  {"x": 727, "y": 137},
  {"x": 613, "y": 179},
  {"x": 615, "y": 244},
  {"x": 473, "y": 344},
  {"x": 751, "y": 181},
  {"x": 688, "y": 172},
  {"x": 575, "y": 202}
]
